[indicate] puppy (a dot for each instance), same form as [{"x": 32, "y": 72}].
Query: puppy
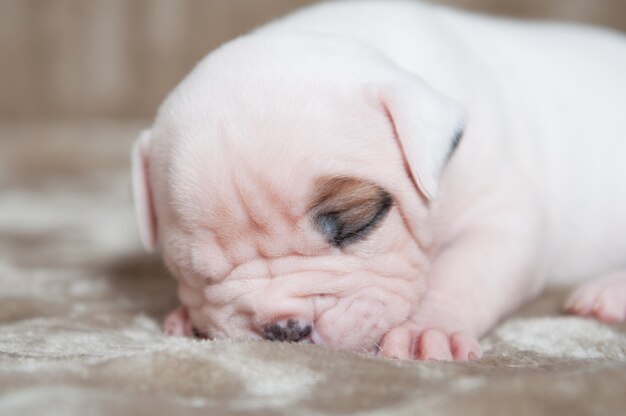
[{"x": 389, "y": 177}]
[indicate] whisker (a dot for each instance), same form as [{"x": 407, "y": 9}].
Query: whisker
[{"x": 377, "y": 346}]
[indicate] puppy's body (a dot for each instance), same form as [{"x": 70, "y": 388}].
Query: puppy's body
[
  {"x": 255, "y": 140},
  {"x": 548, "y": 101}
]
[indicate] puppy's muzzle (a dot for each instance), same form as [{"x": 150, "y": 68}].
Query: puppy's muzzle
[{"x": 291, "y": 330}]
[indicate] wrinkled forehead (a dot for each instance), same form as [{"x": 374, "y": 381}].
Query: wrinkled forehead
[{"x": 275, "y": 156}]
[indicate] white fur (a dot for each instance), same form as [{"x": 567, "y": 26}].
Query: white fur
[
  {"x": 361, "y": 88},
  {"x": 549, "y": 100}
]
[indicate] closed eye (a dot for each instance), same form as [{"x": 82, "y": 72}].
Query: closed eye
[
  {"x": 340, "y": 234},
  {"x": 350, "y": 209}
]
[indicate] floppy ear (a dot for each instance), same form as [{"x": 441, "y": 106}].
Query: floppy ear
[
  {"x": 142, "y": 193},
  {"x": 429, "y": 127}
]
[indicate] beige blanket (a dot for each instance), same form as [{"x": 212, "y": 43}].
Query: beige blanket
[{"x": 80, "y": 308}]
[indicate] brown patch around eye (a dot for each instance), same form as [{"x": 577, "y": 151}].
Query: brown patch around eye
[{"x": 347, "y": 209}]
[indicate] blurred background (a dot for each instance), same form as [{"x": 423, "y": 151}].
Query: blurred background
[{"x": 118, "y": 58}]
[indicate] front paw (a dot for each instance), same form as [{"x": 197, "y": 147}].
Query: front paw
[
  {"x": 177, "y": 323},
  {"x": 409, "y": 342}
]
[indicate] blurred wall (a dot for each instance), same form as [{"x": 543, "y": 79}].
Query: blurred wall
[{"x": 118, "y": 58}]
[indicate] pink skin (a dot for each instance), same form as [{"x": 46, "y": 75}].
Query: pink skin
[
  {"x": 226, "y": 185},
  {"x": 603, "y": 298},
  {"x": 177, "y": 323},
  {"x": 224, "y": 181},
  {"x": 238, "y": 236},
  {"x": 351, "y": 299}
]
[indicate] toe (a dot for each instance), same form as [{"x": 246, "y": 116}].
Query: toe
[
  {"x": 434, "y": 345},
  {"x": 177, "y": 323},
  {"x": 582, "y": 300},
  {"x": 464, "y": 347},
  {"x": 397, "y": 344},
  {"x": 609, "y": 307}
]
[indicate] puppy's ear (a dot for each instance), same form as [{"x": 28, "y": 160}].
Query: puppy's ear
[
  {"x": 428, "y": 125},
  {"x": 142, "y": 194}
]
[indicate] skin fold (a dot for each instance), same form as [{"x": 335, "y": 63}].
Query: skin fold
[{"x": 388, "y": 177}]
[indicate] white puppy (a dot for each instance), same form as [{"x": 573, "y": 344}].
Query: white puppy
[{"x": 309, "y": 182}]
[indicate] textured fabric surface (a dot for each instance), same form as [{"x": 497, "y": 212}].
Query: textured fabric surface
[{"x": 80, "y": 308}]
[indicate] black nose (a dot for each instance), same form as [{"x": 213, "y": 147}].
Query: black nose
[{"x": 290, "y": 331}]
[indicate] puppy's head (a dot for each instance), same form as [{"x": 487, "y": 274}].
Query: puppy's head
[{"x": 288, "y": 180}]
